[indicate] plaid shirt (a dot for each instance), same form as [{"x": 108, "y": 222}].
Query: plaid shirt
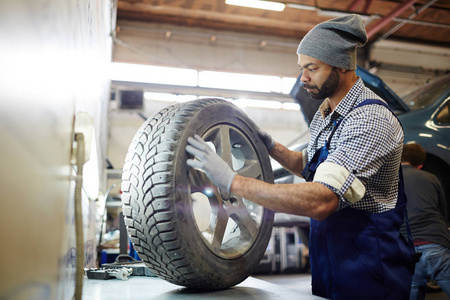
[{"x": 368, "y": 143}]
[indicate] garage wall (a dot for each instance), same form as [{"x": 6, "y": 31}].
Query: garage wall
[
  {"x": 167, "y": 45},
  {"x": 405, "y": 66},
  {"x": 54, "y": 58}
]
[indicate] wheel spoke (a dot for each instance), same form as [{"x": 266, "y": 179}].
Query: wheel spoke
[
  {"x": 219, "y": 228},
  {"x": 247, "y": 226},
  {"x": 241, "y": 216},
  {"x": 224, "y": 146},
  {"x": 251, "y": 169}
]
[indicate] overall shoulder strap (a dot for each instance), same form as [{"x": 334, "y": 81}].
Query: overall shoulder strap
[
  {"x": 373, "y": 101},
  {"x": 365, "y": 102},
  {"x": 379, "y": 102}
]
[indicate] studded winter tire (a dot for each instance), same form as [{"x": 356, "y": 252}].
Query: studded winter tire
[{"x": 186, "y": 230}]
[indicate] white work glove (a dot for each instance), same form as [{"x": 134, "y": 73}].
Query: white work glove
[
  {"x": 268, "y": 141},
  {"x": 208, "y": 161}
]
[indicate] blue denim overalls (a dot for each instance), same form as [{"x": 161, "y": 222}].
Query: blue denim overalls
[{"x": 357, "y": 254}]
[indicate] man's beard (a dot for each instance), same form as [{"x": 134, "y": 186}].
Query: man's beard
[{"x": 328, "y": 88}]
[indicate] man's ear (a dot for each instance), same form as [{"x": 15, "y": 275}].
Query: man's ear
[
  {"x": 341, "y": 70},
  {"x": 419, "y": 167}
]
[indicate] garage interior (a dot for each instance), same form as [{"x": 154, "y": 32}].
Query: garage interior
[{"x": 79, "y": 78}]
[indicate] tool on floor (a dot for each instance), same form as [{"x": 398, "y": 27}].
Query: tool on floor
[
  {"x": 103, "y": 273},
  {"x": 125, "y": 261}
]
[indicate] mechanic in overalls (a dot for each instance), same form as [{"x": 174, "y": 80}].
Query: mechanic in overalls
[{"x": 351, "y": 166}]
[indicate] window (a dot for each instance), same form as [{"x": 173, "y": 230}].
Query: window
[
  {"x": 426, "y": 95},
  {"x": 443, "y": 117}
]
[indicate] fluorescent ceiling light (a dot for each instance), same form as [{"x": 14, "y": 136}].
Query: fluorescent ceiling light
[
  {"x": 269, "y": 5},
  {"x": 239, "y": 81},
  {"x": 258, "y": 103},
  {"x": 287, "y": 83},
  {"x": 153, "y": 74},
  {"x": 243, "y": 103},
  {"x": 165, "y": 97},
  {"x": 301, "y": 6},
  {"x": 291, "y": 106}
]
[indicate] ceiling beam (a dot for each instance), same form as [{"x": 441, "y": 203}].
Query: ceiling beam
[{"x": 214, "y": 20}]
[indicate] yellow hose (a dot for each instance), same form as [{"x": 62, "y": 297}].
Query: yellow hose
[{"x": 79, "y": 275}]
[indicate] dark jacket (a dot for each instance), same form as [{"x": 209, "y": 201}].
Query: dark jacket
[{"x": 426, "y": 206}]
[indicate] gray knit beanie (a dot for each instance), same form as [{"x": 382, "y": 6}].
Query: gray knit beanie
[{"x": 334, "y": 42}]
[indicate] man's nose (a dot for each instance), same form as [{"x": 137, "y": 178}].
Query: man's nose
[{"x": 304, "y": 77}]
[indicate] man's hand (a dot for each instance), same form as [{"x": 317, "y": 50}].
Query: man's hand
[
  {"x": 268, "y": 141},
  {"x": 217, "y": 170}
]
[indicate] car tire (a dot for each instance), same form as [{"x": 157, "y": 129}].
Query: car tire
[{"x": 186, "y": 230}]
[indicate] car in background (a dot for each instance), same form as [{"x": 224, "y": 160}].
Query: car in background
[
  {"x": 428, "y": 123},
  {"x": 425, "y": 117}
]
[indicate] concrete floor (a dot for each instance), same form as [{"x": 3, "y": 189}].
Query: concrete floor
[
  {"x": 261, "y": 287},
  {"x": 141, "y": 287},
  {"x": 299, "y": 282}
]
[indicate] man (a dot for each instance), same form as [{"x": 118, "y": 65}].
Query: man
[
  {"x": 351, "y": 165},
  {"x": 426, "y": 203}
]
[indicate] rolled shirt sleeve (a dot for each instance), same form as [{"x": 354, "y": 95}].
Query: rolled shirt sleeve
[{"x": 342, "y": 182}]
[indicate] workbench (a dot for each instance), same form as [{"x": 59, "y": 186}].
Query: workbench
[{"x": 143, "y": 287}]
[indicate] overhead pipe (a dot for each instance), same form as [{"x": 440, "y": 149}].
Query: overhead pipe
[
  {"x": 366, "y": 7},
  {"x": 380, "y": 24},
  {"x": 412, "y": 16},
  {"x": 354, "y": 5},
  {"x": 351, "y": 9}
]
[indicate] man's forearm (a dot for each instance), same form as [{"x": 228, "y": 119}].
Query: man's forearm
[
  {"x": 290, "y": 160},
  {"x": 311, "y": 199}
]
